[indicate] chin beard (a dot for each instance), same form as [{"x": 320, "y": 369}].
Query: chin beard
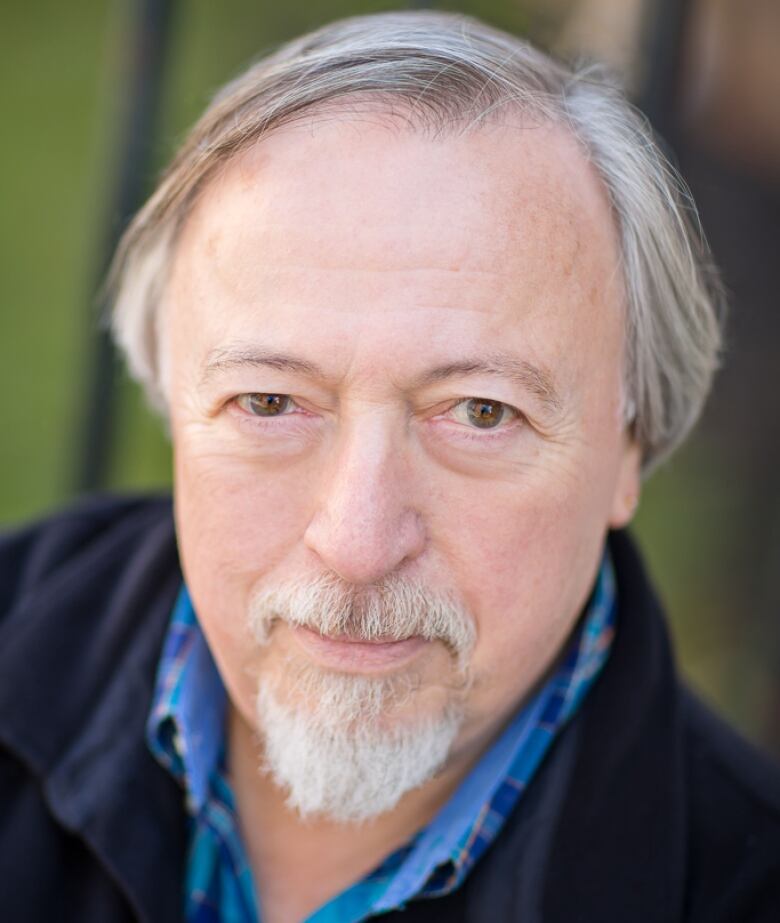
[
  {"x": 339, "y": 754},
  {"x": 346, "y": 746}
]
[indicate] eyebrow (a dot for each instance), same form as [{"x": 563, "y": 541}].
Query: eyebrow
[
  {"x": 533, "y": 378},
  {"x": 225, "y": 359}
]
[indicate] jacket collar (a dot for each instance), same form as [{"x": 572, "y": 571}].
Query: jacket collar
[{"x": 75, "y": 667}]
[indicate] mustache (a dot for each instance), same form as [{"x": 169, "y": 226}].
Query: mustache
[{"x": 392, "y": 610}]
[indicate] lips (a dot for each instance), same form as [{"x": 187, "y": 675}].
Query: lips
[{"x": 347, "y": 654}]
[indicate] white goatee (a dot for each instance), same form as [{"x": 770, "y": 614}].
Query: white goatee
[{"x": 330, "y": 739}]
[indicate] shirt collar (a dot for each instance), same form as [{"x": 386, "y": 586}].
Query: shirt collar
[{"x": 186, "y": 723}]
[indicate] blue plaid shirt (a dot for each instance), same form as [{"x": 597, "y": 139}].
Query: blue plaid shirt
[{"x": 185, "y": 732}]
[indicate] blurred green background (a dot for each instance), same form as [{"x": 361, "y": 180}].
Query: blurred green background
[{"x": 709, "y": 522}]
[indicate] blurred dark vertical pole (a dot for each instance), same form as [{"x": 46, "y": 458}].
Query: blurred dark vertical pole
[
  {"x": 665, "y": 29},
  {"x": 143, "y": 71}
]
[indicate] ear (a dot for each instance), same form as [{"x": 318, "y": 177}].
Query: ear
[{"x": 628, "y": 485}]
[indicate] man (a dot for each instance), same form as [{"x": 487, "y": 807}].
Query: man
[{"x": 420, "y": 306}]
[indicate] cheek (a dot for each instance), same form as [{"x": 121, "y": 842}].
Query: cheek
[
  {"x": 521, "y": 540},
  {"x": 235, "y": 524},
  {"x": 524, "y": 562},
  {"x": 232, "y": 518}
]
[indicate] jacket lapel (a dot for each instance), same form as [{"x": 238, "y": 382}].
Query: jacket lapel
[{"x": 619, "y": 851}]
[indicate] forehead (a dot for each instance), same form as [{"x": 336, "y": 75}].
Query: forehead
[
  {"x": 358, "y": 216},
  {"x": 520, "y": 185}
]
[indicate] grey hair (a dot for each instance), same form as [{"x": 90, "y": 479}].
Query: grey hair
[{"x": 447, "y": 72}]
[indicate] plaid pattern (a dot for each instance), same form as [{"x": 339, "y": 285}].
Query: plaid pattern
[{"x": 185, "y": 733}]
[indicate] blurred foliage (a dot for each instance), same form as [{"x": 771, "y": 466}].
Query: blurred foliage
[{"x": 62, "y": 71}]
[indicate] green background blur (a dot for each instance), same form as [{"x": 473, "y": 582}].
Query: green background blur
[{"x": 63, "y": 77}]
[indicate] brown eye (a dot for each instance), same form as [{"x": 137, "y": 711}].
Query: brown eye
[
  {"x": 265, "y": 405},
  {"x": 485, "y": 413}
]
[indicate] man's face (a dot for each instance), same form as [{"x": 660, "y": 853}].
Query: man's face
[{"x": 397, "y": 358}]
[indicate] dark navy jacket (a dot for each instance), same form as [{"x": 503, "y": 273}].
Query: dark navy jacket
[{"x": 646, "y": 809}]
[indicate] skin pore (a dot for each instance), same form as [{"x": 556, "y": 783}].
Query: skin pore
[{"x": 391, "y": 291}]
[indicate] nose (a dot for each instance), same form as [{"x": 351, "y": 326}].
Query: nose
[{"x": 365, "y": 526}]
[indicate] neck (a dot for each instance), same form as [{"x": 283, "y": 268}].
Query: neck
[{"x": 299, "y": 864}]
